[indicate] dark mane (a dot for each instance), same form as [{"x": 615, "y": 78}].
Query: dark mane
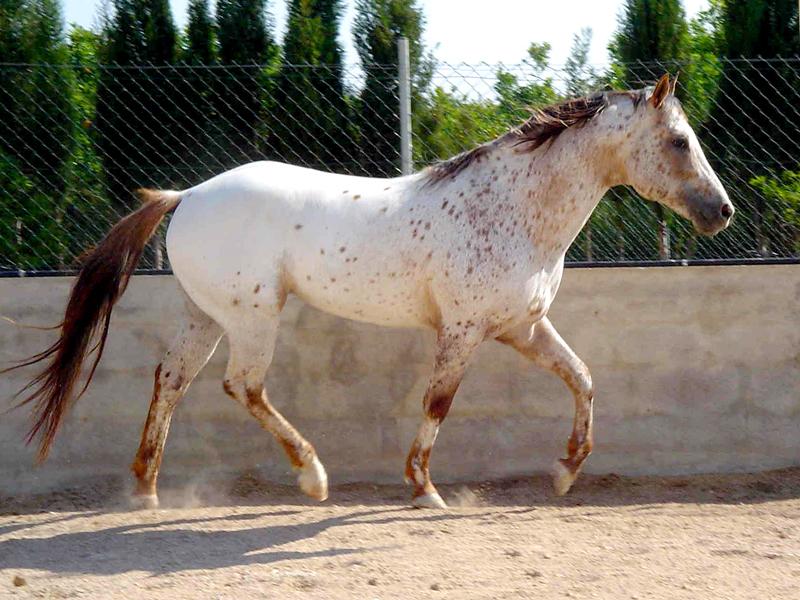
[
  {"x": 453, "y": 166},
  {"x": 551, "y": 121},
  {"x": 544, "y": 126}
]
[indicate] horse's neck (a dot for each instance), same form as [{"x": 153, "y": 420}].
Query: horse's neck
[{"x": 560, "y": 187}]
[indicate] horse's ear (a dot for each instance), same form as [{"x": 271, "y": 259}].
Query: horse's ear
[
  {"x": 661, "y": 91},
  {"x": 675, "y": 83}
]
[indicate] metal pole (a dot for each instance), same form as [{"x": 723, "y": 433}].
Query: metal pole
[{"x": 404, "y": 81}]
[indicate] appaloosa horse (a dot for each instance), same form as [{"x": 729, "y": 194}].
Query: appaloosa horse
[{"x": 472, "y": 248}]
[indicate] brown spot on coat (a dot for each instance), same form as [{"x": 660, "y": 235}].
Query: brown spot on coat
[{"x": 439, "y": 405}]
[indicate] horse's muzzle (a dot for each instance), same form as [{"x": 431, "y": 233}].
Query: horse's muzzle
[{"x": 711, "y": 215}]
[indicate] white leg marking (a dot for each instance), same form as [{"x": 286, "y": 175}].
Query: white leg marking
[
  {"x": 563, "y": 478},
  {"x": 143, "y": 501},
  {"x": 313, "y": 480},
  {"x": 432, "y": 500}
]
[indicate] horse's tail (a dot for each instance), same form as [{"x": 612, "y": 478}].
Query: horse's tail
[{"x": 102, "y": 279}]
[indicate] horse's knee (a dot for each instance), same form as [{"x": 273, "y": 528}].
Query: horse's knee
[{"x": 172, "y": 381}]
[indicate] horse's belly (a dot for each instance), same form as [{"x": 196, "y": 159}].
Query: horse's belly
[{"x": 398, "y": 305}]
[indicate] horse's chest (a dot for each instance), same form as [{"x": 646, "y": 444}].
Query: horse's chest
[{"x": 528, "y": 296}]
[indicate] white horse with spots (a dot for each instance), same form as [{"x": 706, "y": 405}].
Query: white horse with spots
[{"x": 472, "y": 248}]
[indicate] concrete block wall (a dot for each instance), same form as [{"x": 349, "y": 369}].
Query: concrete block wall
[{"x": 696, "y": 369}]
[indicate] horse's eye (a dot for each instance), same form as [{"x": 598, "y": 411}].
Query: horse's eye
[{"x": 681, "y": 143}]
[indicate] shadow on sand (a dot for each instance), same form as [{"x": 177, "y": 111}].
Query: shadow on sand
[{"x": 170, "y": 546}]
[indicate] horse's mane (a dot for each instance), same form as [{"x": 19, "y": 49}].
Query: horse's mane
[{"x": 544, "y": 126}]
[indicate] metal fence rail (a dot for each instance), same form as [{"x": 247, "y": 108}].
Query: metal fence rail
[{"x": 76, "y": 139}]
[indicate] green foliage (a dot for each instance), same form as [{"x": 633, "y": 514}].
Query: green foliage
[
  {"x": 765, "y": 28},
  {"x": 77, "y": 137},
  {"x": 581, "y": 77},
  {"x": 135, "y": 124},
  {"x": 30, "y": 235},
  {"x": 700, "y": 75},
  {"x": 454, "y": 123},
  {"x": 311, "y": 121},
  {"x": 515, "y": 100},
  {"x": 242, "y": 95},
  {"x": 35, "y": 113},
  {"x": 783, "y": 209},
  {"x": 243, "y": 33},
  {"x": 86, "y": 208},
  {"x": 200, "y": 40},
  {"x": 765, "y": 93},
  {"x": 37, "y": 122},
  {"x": 649, "y": 30},
  {"x": 377, "y": 26}
]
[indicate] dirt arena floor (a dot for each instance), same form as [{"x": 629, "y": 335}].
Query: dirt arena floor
[{"x": 733, "y": 536}]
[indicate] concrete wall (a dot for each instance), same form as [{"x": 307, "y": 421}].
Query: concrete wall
[{"x": 696, "y": 369}]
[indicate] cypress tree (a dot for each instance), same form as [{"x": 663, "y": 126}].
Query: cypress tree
[
  {"x": 754, "y": 101},
  {"x": 196, "y": 105},
  {"x": 35, "y": 107},
  {"x": 377, "y": 26},
  {"x": 581, "y": 78},
  {"x": 37, "y": 119},
  {"x": 138, "y": 135},
  {"x": 310, "y": 114},
  {"x": 650, "y": 31},
  {"x": 200, "y": 37},
  {"x": 247, "y": 48},
  {"x": 244, "y": 36}
]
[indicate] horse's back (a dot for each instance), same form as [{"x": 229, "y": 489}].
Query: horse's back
[{"x": 257, "y": 225}]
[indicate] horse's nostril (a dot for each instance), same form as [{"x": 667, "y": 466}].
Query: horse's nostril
[{"x": 727, "y": 210}]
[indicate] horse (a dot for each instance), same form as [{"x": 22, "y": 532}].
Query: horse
[{"x": 472, "y": 248}]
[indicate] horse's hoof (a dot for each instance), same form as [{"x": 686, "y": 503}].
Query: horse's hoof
[
  {"x": 563, "y": 478},
  {"x": 313, "y": 480},
  {"x": 432, "y": 500},
  {"x": 144, "y": 501}
]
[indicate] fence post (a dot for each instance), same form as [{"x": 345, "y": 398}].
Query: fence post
[{"x": 404, "y": 81}]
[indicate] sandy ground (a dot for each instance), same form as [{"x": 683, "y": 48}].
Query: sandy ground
[{"x": 734, "y": 536}]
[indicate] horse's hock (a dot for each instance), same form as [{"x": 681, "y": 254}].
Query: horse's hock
[{"x": 696, "y": 369}]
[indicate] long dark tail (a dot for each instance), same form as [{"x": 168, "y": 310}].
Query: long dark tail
[{"x": 103, "y": 277}]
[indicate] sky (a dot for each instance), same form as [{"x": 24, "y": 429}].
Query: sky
[{"x": 468, "y": 31}]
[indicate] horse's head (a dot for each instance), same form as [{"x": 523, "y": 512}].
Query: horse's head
[{"x": 664, "y": 162}]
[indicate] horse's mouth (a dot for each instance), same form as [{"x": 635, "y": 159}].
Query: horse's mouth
[
  {"x": 709, "y": 222},
  {"x": 709, "y": 230}
]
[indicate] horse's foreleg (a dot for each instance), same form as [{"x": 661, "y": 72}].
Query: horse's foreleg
[
  {"x": 455, "y": 346},
  {"x": 542, "y": 344},
  {"x": 189, "y": 352},
  {"x": 250, "y": 357}
]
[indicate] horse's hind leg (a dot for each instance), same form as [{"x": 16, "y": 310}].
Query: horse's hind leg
[
  {"x": 541, "y": 343},
  {"x": 189, "y": 352},
  {"x": 250, "y": 356}
]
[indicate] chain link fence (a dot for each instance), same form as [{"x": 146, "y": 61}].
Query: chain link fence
[{"x": 76, "y": 139}]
